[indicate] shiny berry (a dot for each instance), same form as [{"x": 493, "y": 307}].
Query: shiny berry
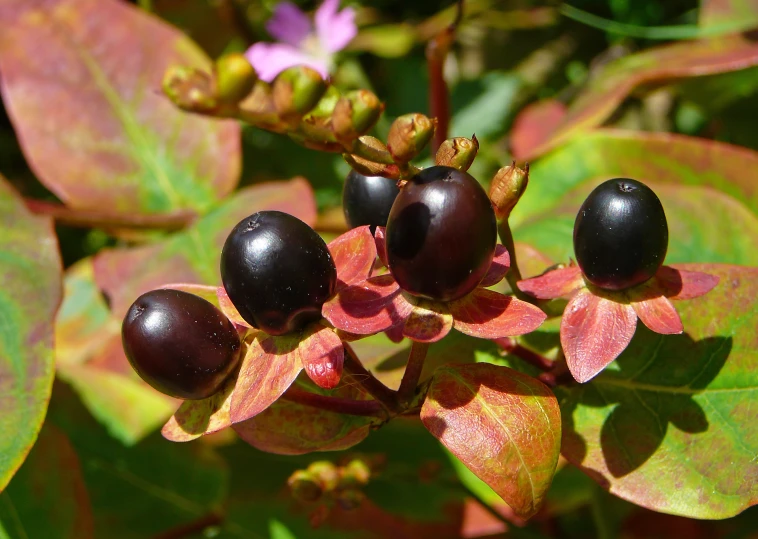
[
  {"x": 367, "y": 200},
  {"x": 180, "y": 344},
  {"x": 277, "y": 272},
  {"x": 620, "y": 234},
  {"x": 441, "y": 234}
]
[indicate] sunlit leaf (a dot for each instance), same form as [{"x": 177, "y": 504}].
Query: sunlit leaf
[
  {"x": 117, "y": 143},
  {"x": 354, "y": 254},
  {"x": 714, "y": 13},
  {"x": 197, "y": 417},
  {"x": 30, "y": 290}
]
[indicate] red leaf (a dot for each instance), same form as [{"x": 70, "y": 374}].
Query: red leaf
[
  {"x": 322, "y": 355},
  {"x": 499, "y": 267},
  {"x": 381, "y": 244},
  {"x": 659, "y": 315},
  {"x": 354, "y": 254},
  {"x": 370, "y": 307},
  {"x": 682, "y": 284},
  {"x": 503, "y": 425},
  {"x": 428, "y": 322},
  {"x": 553, "y": 284},
  {"x": 594, "y": 331},
  {"x": 268, "y": 369},
  {"x": 490, "y": 315},
  {"x": 534, "y": 125},
  {"x": 228, "y": 308},
  {"x": 197, "y": 417}
]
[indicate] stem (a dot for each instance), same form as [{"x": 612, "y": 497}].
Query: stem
[
  {"x": 412, "y": 374},
  {"x": 600, "y": 514},
  {"x": 514, "y": 274},
  {"x": 368, "y": 408},
  {"x": 509, "y": 345},
  {"x": 364, "y": 378},
  {"x": 103, "y": 219},
  {"x": 191, "y": 528}
]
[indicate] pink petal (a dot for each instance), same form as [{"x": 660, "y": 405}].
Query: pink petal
[
  {"x": 659, "y": 315},
  {"x": 370, "y": 307},
  {"x": 288, "y": 24},
  {"x": 270, "y": 59},
  {"x": 498, "y": 268},
  {"x": 553, "y": 284},
  {"x": 381, "y": 244},
  {"x": 428, "y": 322},
  {"x": 490, "y": 315},
  {"x": 594, "y": 331},
  {"x": 322, "y": 355},
  {"x": 682, "y": 284},
  {"x": 335, "y": 29},
  {"x": 354, "y": 254}
]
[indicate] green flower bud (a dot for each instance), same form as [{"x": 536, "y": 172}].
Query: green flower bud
[
  {"x": 235, "y": 78},
  {"x": 507, "y": 186},
  {"x": 408, "y": 135},
  {"x": 458, "y": 153},
  {"x": 355, "y": 114},
  {"x": 296, "y": 91}
]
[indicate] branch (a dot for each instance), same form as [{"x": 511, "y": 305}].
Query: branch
[
  {"x": 368, "y": 408},
  {"x": 386, "y": 396},
  {"x": 412, "y": 373}
]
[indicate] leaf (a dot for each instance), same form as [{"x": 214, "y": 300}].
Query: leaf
[
  {"x": 501, "y": 262},
  {"x": 117, "y": 143},
  {"x": 268, "y": 369},
  {"x": 487, "y": 112},
  {"x": 554, "y": 284},
  {"x": 714, "y": 13},
  {"x": 676, "y": 414},
  {"x": 322, "y": 355},
  {"x": 503, "y": 425},
  {"x": 48, "y": 496},
  {"x": 195, "y": 418},
  {"x": 658, "y": 314},
  {"x": 354, "y": 254},
  {"x": 608, "y": 89},
  {"x": 534, "y": 125},
  {"x": 30, "y": 291},
  {"x": 428, "y": 321},
  {"x": 489, "y": 315}
]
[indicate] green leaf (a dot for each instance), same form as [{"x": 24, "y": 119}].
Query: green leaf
[
  {"x": 487, "y": 112},
  {"x": 48, "y": 497},
  {"x": 670, "y": 425},
  {"x": 30, "y": 290},
  {"x": 80, "y": 80},
  {"x": 715, "y": 13},
  {"x": 503, "y": 425}
]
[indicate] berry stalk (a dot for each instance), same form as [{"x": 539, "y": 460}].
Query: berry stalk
[
  {"x": 412, "y": 374},
  {"x": 368, "y": 408},
  {"x": 363, "y": 377}
]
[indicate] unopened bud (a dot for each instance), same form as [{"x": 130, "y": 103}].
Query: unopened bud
[
  {"x": 296, "y": 91},
  {"x": 458, "y": 152},
  {"x": 304, "y": 487},
  {"x": 350, "y": 499},
  {"x": 506, "y": 189},
  {"x": 325, "y": 473},
  {"x": 189, "y": 89},
  {"x": 355, "y": 474},
  {"x": 356, "y": 112},
  {"x": 315, "y": 127},
  {"x": 235, "y": 78},
  {"x": 258, "y": 109},
  {"x": 408, "y": 135}
]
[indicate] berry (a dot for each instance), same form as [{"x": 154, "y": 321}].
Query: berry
[
  {"x": 367, "y": 200},
  {"x": 277, "y": 272},
  {"x": 620, "y": 234},
  {"x": 441, "y": 234},
  {"x": 179, "y": 343}
]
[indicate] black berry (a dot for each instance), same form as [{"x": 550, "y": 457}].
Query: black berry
[
  {"x": 367, "y": 200},
  {"x": 179, "y": 343},
  {"x": 441, "y": 234},
  {"x": 620, "y": 234},
  {"x": 277, "y": 272}
]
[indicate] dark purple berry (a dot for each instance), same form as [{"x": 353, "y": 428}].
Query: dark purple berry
[
  {"x": 277, "y": 272},
  {"x": 441, "y": 234},
  {"x": 367, "y": 200},
  {"x": 180, "y": 344},
  {"x": 620, "y": 234}
]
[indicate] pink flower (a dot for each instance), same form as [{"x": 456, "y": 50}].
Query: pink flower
[{"x": 299, "y": 42}]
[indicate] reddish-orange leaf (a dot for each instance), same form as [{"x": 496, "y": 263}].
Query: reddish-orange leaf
[
  {"x": 490, "y": 315},
  {"x": 197, "y": 417},
  {"x": 594, "y": 331},
  {"x": 354, "y": 254},
  {"x": 228, "y": 308},
  {"x": 499, "y": 267},
  {"x": 322, "y": 355},
  {"x": 534, "y": 125},
  {"x": 117, "y": 143},
  {"x": 683, "y": 284},
  {"x": 553, "y": 284},
  {"x": 659, "y": 315},
  {"x": 381, "y": 244},
  {"x": 428, "y": 322},
  {"x": 268, "y": 369},
  {"x": 503, "y": 425},
  {"x": 370, "y": 307}
]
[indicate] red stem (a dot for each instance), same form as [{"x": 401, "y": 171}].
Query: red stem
[
  {"x": 369, "y": 408},
  {"x": 510, "y": 345},
  {"x": 364, "y": 378},
  {"x": 412, "y": 374}
]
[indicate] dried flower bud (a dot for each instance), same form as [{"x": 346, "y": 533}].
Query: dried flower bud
[
  {"x": 304, "y": 487},
  {"x": 371, "y": 158},
  {"x": 316, "y": 125},
  {"x": 356, "y": 112},
  {"x": 234, "y": 78},
  {"x": 350, "y": 499},
  {"x": 408, "y": 135},
  {"x": 189, "y": 89},
  {"x": 296, "y": 91},
  {"x": 258, "y": 109},
  {"x": 458, "y": 152},
  {"x": 507, "y": 186}
]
